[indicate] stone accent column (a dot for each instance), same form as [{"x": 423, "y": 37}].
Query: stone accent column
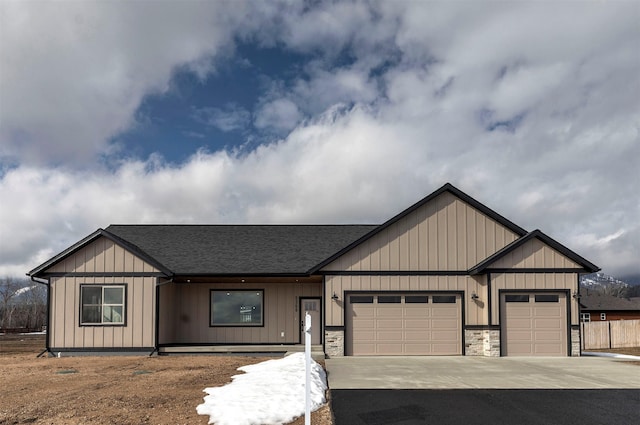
[
  {"x": 575, "y": 342},
  {"x": 482, "y": 342},
  {"x": 334, "y": 343},
  {"x": 473, "y": 342},
  {"x": 491, "y": 343}
]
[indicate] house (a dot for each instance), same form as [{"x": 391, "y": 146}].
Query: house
[
  {"x": 598, "y": 307},
  {"x": 446, "y": 276}
]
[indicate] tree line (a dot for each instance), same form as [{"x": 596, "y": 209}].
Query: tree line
[{"x": 23, "y": 305}]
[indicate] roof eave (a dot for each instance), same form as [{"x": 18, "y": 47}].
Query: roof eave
[{"x": 586, "y": 265}]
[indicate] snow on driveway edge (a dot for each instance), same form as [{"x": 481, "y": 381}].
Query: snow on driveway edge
[{"x": 270, "y": 392}]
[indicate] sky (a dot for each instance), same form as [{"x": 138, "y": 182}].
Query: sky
[
  {"x": 116, "y": 112},
  {"x": 271, "y": 392}
]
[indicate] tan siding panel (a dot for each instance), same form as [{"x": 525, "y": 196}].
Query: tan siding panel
[
  {"x": 534, "y": 254},
  {"x": 445, "y": 234},
  {"x": 102, "y": 255},
  {"x": 65, "y": 326}
]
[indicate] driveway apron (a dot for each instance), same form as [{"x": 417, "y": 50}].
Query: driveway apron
[{"x": 476, "y": 390}]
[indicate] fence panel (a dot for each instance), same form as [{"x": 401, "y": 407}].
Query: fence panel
[{"x": 611, "y": 334}]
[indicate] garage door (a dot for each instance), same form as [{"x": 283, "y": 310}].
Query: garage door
[
  {"x": 404, "y": 324},
  {"x": 534, "y": 324}
]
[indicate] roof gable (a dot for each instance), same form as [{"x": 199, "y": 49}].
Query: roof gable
[
  {"x": 100, "y": 252},
  {"x": 405, "y": 220},
  {"x": 517, "y": 247}
]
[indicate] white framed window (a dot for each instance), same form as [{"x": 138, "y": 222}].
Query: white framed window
[
  {"x": 237, "y": 308},
  {"x": 603, "y": 316},
  {"x": 585, "y": 317},
  {"x": 102, "y": 304}
]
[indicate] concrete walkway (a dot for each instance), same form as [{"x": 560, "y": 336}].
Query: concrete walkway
[{"x": 481, "y": 372}]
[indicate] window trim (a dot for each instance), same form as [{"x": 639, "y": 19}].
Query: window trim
[
  {"x": 585, "y": 317},
  {"x": 236, "y": 325},
  {"x": 603, "y": 316},
  {"x": 123, "y": 286}
]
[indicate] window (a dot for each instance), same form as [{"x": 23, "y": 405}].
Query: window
[
  {"x": 416, "y": 299},
  {"x": 102, "y": 304},
  {"x": 585, "y": 317},
  {"x": 547, "y": 298},
  {"x": 603, "y": 316},
  {"x": 389, "y": 299},
  {"x": 444, "y": 299},
  {"x": 237, "y": 308},
  {"x": 361, "y": 299},
  {"x": 516, "y": 298}
]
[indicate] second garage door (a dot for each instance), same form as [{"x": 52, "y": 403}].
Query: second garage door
[
  {"x": 534, "y": 324},
  {"x": 404, "y": 324}
]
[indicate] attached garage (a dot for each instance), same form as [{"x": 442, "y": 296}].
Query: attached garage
[
  {"x": 395, "y": 324},
  {"x": 534, "y": 324}
]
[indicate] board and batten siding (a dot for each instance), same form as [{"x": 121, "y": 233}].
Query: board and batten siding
[
  {"x": 534, "y": 254},
  {"x": 188, "y": 315},
  {"x": 534, "y": 281},
  {"x": 65, "y": 330},
  {"x": 444, "y": 234},
  {"x": 475, "y": 313},
  {"x": 102, "y": 256}
]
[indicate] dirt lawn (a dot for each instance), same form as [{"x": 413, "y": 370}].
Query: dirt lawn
[{"x": 111, "y": 390}]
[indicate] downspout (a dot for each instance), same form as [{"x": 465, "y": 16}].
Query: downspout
[{"x": 46, "y": 282}]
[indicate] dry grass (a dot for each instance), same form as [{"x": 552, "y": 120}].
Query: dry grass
[{"x": 111, "y": 390}]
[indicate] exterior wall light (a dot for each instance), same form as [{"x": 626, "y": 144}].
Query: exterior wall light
[
  {"x": 334, "y": 296},
  {"x": 474, "y": 296}
]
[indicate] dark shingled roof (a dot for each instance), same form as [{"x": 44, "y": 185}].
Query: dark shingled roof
[
  {"x": 239, "y": 249},
  {"x": 608, "y": 302}
]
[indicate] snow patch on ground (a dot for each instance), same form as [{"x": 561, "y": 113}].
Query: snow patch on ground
[
  {"x": 614, "y": 355},
  {"x": 269, "y": 393}
]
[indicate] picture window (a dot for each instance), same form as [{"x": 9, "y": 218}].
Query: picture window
[
  {"x": 237, "y": 308},
  {"x": 102, "y": 304}
]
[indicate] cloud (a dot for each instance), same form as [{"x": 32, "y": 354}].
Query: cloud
[
  {"x": 73, "y": 74},
  {"x": 529, "y": 107},
  {"x": 231, "y": 118}
]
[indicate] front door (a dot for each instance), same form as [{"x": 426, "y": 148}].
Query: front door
[{"x": 311, "y": 306}]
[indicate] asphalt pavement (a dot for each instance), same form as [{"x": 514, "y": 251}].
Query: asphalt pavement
[
  {"x": 486, "y": 406},
  {"x": 477, "y": 390}
]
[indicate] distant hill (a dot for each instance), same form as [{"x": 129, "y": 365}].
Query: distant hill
[{"x": 602, "y": 283}]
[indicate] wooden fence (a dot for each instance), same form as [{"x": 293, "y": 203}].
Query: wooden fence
[{"x": 611, "y": 334}]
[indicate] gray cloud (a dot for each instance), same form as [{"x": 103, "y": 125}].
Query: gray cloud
[{"x": 531, "y": 108}]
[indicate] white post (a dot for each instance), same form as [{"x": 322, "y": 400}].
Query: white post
[{"x": 307, "y": 356}]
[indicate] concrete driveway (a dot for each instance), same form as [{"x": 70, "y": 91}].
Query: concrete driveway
[{"x": 481, "y": 373}]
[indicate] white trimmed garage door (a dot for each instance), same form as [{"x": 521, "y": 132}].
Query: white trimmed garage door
[
  {"x": 404, "y": 324},
  {"x": 534, "y": 324}
]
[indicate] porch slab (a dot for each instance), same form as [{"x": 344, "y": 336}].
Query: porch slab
[{"x": 316, "y": 350}]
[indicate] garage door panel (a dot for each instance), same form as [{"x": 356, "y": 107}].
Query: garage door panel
[
  {"x": 417, "y": 349},
  {"x": 534, "y": 328},
  {"x": 423, "y": 312},
  {"x": 450, "y": 311},
  {"x": 388, "y": 336},
  {"x": 416, "y": 324},
  {"x": 394, "y": 312},
  {"x": 417, "y": 327}
]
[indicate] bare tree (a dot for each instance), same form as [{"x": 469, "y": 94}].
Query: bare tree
[
  {"x": 23, "y": 304},
  {"x": 8, "y": 291}
]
